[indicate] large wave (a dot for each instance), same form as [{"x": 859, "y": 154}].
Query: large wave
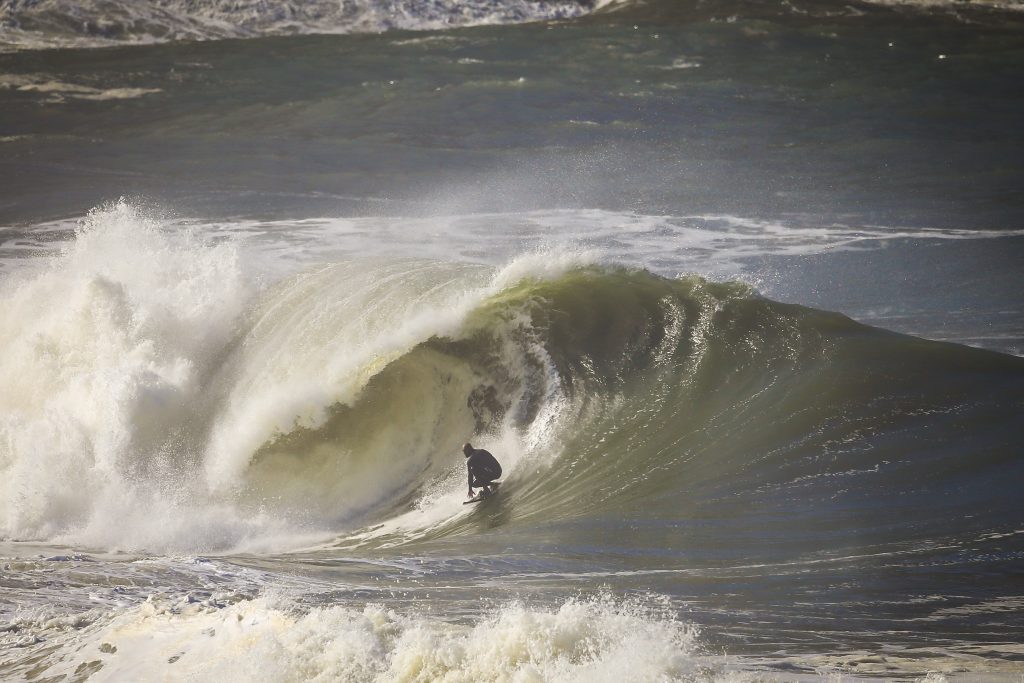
[{"x": 157, "y": 398}]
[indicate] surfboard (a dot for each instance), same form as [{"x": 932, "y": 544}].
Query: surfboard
[{"x": 483, "y": 496}]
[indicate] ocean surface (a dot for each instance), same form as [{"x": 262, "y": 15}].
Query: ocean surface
[{"x": 732, "y": 289}]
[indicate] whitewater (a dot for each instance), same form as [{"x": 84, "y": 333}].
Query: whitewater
[{"x": 731, "y": 291}]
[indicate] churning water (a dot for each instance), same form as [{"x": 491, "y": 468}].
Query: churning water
[{"x": 732, "y": 291}]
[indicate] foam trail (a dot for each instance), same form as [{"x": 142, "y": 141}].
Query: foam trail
[{"x": 268, "y": 639}]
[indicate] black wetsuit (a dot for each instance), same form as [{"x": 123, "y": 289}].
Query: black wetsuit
[{"x": 483, "y": 468}]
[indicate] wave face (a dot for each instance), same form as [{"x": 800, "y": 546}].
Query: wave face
[
  {"x": 62, "y": 23},
  {"x": 681, "y": 399},
  {"x": 180, "y": 406}
]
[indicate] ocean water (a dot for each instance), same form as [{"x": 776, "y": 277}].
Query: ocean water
[{"x": 731, "y": 289}]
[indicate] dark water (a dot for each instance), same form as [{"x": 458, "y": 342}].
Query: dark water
[
  {"x": 893, "y": 117},
  {"x": 257, "y": 292}
]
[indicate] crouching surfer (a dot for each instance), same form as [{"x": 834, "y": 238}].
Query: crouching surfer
[{"x": 483, "y": 470}]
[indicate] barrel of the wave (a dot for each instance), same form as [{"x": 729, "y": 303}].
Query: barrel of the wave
[{"x": 682, "y": 394}]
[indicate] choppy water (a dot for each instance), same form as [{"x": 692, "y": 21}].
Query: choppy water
[{"x": 731, "y": 290}]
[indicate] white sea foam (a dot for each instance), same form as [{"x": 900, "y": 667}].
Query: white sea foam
[
  {"x": 104, "y": 352},
  {"x": 67, "y": 23},
  {"x": 60, "y": 91},
  {"x": 108, "y": 352},
  {"x": 272, "y": 639},
  {"x": 719, "y": 246},
  {"x": 223, "y": 636},
  {"x": 716, "y": 245}
]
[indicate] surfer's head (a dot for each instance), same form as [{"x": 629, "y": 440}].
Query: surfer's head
[{"x": 467, "y": 449}]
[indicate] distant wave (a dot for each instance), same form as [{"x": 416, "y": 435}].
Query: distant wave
[
  {"x": 43, "y": 24},
  {"x": 1006, "y": 5},
  {"x": 98, "y": 23}
]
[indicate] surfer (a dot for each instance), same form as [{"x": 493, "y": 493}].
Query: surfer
[{"x": 483, "y": 469}]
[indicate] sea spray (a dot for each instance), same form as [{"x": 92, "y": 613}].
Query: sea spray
[
  {"x": 105, "y": 355},
  {"x": 270, "y": 638}
]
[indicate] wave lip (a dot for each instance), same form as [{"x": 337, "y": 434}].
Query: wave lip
[{"x": 99, "y": 23}]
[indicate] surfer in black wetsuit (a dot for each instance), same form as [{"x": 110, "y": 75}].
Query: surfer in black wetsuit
[{"x": 483, "y": 469}]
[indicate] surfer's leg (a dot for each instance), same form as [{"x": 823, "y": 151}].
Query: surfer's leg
[{"x": 487, "y": 484}]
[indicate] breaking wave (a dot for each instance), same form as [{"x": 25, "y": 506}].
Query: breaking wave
[
  {"x": 581, "y": 640},
  {"x": 157, "y": 398}
]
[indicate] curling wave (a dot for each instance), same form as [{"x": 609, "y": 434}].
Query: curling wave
[{"x": 181, "y": 407}]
